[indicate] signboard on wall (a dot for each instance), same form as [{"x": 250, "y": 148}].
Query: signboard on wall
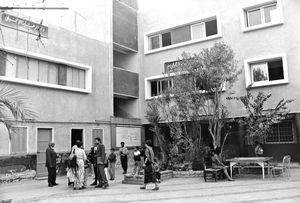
[
  {"x": 24, "y": 25},
  {"x": 130, "y": 135}
]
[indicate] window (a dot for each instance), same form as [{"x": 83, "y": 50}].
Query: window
[
  {"x": 281, "y": 133},
  {"x": 36, "y": 71},
  {"x": 185, "y": 33},
  {"x": 166, "y": 39},
  {"x": 263, "y": 15},
  {"x": 18, "y": 140},
  {"x": 159, "y": 86},
  {"x": 266, "y": 71}
]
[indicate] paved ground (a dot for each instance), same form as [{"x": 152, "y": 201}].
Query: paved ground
[{"x": 243, "y": 189}]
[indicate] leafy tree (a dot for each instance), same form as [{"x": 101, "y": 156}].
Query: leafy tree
[
  {"x": 13, "y": 106},
  {"x": 259, "y": 120},
  {"x": 196, "y": 94}
]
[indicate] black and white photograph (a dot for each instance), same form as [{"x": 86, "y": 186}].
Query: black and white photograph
[{"x": 132, "y": 101}]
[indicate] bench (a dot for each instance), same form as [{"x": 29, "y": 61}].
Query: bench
[{"x": 210, "y": 173}]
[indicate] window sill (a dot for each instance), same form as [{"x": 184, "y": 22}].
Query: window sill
[
  {"x": 292, "y": 142},
  {"x": 261, "y": 26},
  {"x": 183, "y": 44},
  {"x": 41, "y": 84},
  {"x": 269, "y": 83}
]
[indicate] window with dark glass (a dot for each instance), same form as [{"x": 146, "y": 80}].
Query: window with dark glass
[
  {"x": 280, "y": 133},
  {"x": 267, "y": 71},
  {"x": 166, "y": 39},
  {"x": 211, "y": 28}
]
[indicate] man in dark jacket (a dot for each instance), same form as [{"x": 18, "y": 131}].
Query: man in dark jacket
[
  {"x": 51, "y": 164},
  {"x": 93, "y": 159},
  {"x": 101, "y": 162}
]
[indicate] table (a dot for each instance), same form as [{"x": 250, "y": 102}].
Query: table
[{"x": 247, "y": 160}]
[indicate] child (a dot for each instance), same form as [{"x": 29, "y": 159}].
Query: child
[
  {"x": 137, "y": 161},
  {"x": 112, "y": 164},
  {"x": 157, "y": 170}
]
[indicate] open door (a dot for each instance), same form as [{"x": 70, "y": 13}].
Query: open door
[{"x": 76, "y": 134}]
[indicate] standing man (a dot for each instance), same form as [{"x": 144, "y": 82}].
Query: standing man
[
  {"x": 51, "y": 164},
  {"x": 101, "y": 162},
  {"x": 93, "y": 160},
  {"x": 123, "y": 156},
  {"x": 112, "y": 164}
]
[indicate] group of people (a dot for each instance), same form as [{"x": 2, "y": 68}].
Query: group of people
[{"x": 78, "y": 162}]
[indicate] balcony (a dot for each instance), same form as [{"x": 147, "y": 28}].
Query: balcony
[
  {"x": 126, "y": 84},
  {"x": 124, "y": 27}
]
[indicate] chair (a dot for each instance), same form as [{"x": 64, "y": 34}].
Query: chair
[
  {"x": 211, "y": 173},
  {"x": 284, "y": 168}
]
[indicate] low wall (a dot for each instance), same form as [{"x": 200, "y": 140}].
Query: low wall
[{"x": 17, "y": 163}]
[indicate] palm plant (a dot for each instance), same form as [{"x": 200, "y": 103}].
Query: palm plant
[{"x": 13, "y": 106}]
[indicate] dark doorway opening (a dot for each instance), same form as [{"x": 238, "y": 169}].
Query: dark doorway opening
[{"x": 76, "y": 134}]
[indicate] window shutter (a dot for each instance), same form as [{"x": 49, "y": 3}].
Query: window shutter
[
  {"x": 62, "y": 74},
  {"x": 19, "y": 140},
  {"x": 181, "y": 34},
  {"x": 2, "y": 63}
]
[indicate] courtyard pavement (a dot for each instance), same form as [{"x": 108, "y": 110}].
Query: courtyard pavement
[{"x": 244, "y": 189}]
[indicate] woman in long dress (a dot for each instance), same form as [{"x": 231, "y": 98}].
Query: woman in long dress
[
  {"x": 81, "y": 157},
  {"x": 72, "y": 167},
  {"x": 149, "y": 171}
]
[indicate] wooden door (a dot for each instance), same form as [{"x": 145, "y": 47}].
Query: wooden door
[{"x": 44, "y": 136}]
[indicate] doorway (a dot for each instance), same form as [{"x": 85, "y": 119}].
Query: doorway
[
  {"x": 44, "y": 136},
  {"x": 76, "y": 134}
]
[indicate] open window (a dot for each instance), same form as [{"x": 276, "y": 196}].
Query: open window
[{"x": 265, "y": 71}]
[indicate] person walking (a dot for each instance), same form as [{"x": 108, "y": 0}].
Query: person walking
[
  {"x": 81, "y": 158},
  {"x": 112, "y": 164},
  {"x": 101, "y": 162},
  {"x": 137, "y": 161},
  {"x": 149, "y": 171},
  {"x": 124, "y": 157},
  {"x": 51, "y": 164}
]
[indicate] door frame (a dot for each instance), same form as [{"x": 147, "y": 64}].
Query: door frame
[
  {"x": 43, "y": 127},
  {"x": 83, "y": 135}
]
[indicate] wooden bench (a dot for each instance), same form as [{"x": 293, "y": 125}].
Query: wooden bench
[{"x": 210, "y": 173}]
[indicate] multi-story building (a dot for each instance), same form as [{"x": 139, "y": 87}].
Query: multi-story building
[
  {"x": 97, "y": 65},
  {"x": 264, "y": 37},
  {"x": 78, "y": 72}
]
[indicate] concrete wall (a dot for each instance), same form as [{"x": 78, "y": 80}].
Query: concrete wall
[
  {"x": 62, "y": 109},
  {"x": 278, "y": 39},
  {"x": 60, "y": 105}
]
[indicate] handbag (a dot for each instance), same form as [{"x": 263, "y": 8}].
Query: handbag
[{"x": 72, "y": 155}]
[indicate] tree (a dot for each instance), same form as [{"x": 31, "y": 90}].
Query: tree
[
  {"x": 198, "y": 81},
  {"x": 13, "y": 106},
  {"x": 259, "y": 121}
]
